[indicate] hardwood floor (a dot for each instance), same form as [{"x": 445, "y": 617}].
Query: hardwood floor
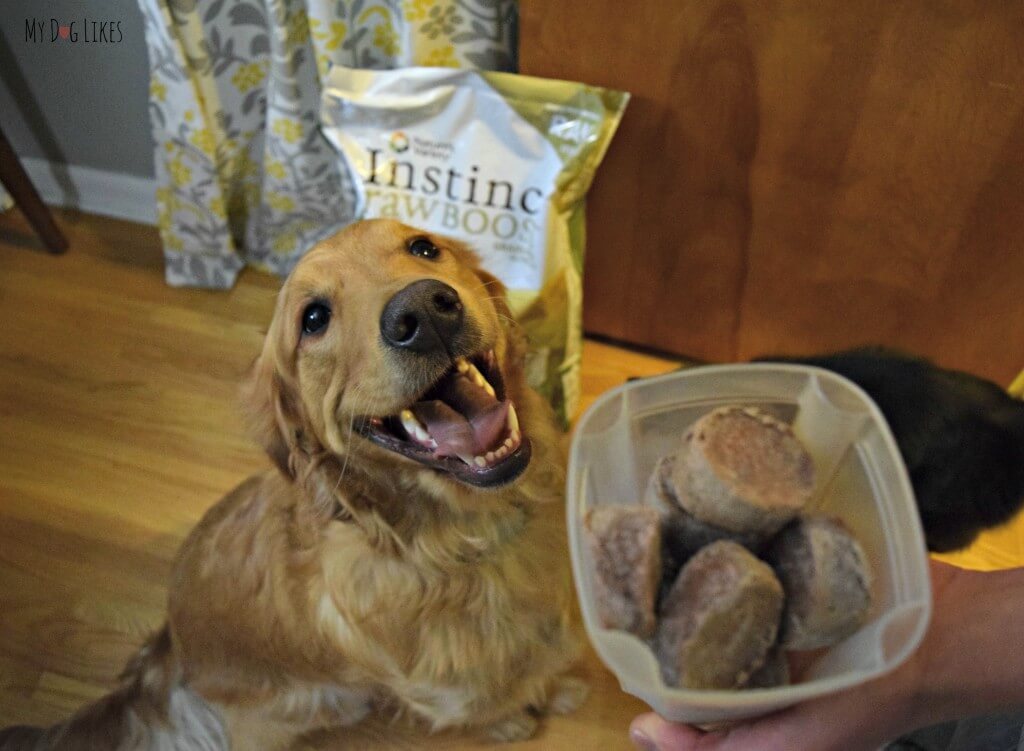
[{"x": 118, "y": 429}]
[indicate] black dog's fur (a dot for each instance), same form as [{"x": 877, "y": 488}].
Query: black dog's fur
[{"x": 962, "y": 439}]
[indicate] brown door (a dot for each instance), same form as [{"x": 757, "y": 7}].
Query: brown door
[{"x": 796, "y": 177}]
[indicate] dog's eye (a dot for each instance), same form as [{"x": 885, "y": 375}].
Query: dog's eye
[
  {"x": 315, "y": 318},
  {"x": 423, "y": 248}
]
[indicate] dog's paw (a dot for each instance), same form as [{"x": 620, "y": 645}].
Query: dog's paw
[
  {"x": 567, "y": 695},
  {"x": 517, "y": 727}
]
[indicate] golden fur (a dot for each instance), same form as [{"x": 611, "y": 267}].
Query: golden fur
[{"x": 352, "y": 579}]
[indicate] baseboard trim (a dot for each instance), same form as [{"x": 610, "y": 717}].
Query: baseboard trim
[{"x": 94, "y": 191}]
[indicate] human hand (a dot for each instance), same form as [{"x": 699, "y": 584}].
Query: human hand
[
  {"x": 862, "y": 718},
  {"x": 850, "y": 721}
]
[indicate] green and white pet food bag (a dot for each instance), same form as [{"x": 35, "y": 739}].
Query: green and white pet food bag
[{"x": 497, "y": 160}]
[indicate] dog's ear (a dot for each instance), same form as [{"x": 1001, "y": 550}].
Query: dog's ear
[{"x": 270, "y": 412}]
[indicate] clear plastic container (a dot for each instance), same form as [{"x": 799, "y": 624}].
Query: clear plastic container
[{"x": 861, "y": 479}]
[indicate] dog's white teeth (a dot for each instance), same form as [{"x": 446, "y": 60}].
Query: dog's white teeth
[
  {"x": 415, "y": 429},
  {"x": 513, "y": 419},
  {"x": 470, "y": 371},
  {"x": 491, "y": 457},
  {"x": 409, "y": 421}
]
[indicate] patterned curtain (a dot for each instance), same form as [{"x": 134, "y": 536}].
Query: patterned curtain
[{"x": 244, "y": 174}]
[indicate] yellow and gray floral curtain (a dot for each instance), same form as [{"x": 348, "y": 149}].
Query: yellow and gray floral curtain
[{"x": 244, "y": 174}]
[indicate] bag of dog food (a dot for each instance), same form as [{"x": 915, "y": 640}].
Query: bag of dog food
[{"x": 499, "y": 161}]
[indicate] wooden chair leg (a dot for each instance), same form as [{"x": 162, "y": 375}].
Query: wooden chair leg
[{"x": 13, "y": 177}]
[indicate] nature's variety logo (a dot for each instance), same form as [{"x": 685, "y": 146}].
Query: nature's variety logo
[
  {"x": 399, "y": 142},
  {"x": 85, "y": 30}
]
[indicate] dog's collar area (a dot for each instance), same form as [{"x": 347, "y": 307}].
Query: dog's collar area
[
  {"x": 462, "y": 425},
  {"x": 509, "y": 529}
]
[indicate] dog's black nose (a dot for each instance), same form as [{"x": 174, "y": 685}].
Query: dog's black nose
[{"x": 423, "y": 317}]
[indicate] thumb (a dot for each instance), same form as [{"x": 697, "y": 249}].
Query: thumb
[
  {"x": 776, "y": 732},
  {"x": 649, "y": 732}
]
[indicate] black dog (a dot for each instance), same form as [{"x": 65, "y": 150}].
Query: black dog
[{"x": 962, "y": 439}]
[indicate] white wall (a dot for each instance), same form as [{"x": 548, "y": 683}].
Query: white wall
[{"x": 77, "y": 108}]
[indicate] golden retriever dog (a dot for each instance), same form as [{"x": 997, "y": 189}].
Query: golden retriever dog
[{"x": 398, "y": 558}]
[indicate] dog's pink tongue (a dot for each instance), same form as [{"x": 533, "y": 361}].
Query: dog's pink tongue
[
  {"x": 457, "y": 435},
  {"x": 489, "y": 426}
]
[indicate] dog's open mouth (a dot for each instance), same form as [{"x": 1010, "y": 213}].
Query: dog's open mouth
[{"x": 463, "y": 425}]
